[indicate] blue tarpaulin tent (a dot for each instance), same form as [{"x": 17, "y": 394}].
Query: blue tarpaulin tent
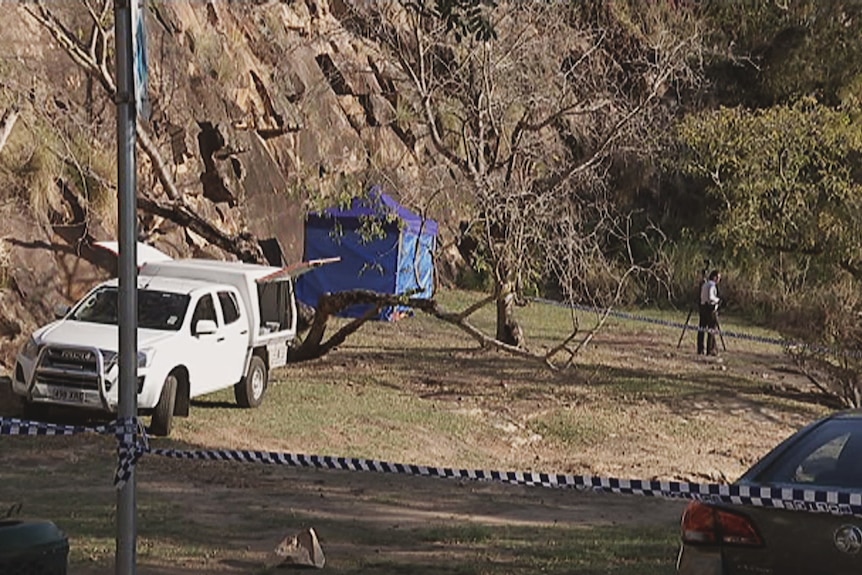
[{"x": 399, "y": 262}]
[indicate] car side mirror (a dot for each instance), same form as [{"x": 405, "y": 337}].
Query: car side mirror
[
  {"x": 60, "y": 311},
  {"x": 205, "y": 327}
]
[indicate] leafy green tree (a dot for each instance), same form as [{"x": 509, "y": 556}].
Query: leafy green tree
[
  {"x": 787, "y": 188},
  {"x": 786, "y": 179}
]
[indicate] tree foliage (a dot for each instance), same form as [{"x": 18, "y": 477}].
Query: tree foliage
[
  {"x": 463, "y": 18},
  {"x": 786, "y": 178},
  {"x": 767, "y": 53},
  {"x": 776, "y": 167}
]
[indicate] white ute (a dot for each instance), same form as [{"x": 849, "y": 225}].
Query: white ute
[{"x": 203, "y": 325}]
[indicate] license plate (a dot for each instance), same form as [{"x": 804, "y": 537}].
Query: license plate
[{"x": 67, "y": 395}]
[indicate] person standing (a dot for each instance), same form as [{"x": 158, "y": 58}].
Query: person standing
[{"x": 708, "y": 324}]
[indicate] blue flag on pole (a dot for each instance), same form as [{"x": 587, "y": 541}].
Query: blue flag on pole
[{"x": 139, "y": 52}]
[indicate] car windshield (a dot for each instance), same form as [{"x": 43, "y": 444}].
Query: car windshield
[
  {"x": 156, "y": 309},
  {"x": 829, "y": 455}
]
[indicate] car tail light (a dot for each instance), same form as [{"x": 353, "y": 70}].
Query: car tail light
[{"x": 705, "y": 524}]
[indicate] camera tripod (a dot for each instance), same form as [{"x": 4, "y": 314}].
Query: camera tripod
[{"x": 685, "y": 327}]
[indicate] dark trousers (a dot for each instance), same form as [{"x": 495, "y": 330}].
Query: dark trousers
[{"x": 708, "y": 321}]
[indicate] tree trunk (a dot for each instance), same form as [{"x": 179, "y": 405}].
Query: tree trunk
[
  {"x": 508, "y": 329},
  {"x": 7, "y": 122},
  {"x": 329, "y": 305}
]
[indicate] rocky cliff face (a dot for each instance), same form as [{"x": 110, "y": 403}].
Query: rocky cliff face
[{"x": 253, "y": 104}]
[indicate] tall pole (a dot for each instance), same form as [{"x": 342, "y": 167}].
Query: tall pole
[{"x": 128, "y": 271}]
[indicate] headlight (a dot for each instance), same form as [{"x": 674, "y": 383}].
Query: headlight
[
  {"x": 110, "y": 358},
  {"x": 30, "y": 349},
  {"x": 145, "y": 357}
]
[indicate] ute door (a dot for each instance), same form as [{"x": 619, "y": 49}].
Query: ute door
[
  {"x": 203, "y": 360},
  {"x": 232, "y": 338}
]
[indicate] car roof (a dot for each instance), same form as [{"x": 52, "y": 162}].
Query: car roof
[
  {"x": 222, "y": 266},
  {"x": 171, "y": 285}
]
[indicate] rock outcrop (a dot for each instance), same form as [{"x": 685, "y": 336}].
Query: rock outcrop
[{"x": 253, "y": 105}]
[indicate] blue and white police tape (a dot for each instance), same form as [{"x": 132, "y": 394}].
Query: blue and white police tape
[
  {"x": 834, "y": 502},
  {"x": 130, "y": 434},
  {"x": 15, "y": 426},
  {"x": 133, "y": 445},
  {"x": 684, "y": 326}
]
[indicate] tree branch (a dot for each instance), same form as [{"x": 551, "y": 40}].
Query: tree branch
[{"x": 242, "y": 245}]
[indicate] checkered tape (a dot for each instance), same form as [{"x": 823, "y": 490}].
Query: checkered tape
[
  {"x": 130, "y": 434},
  {"x": 132, "y": 444}
]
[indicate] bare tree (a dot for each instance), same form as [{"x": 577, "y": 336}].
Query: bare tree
[
  {"x": 91, "y": 53},
  {"x": 530, "y": 122}
]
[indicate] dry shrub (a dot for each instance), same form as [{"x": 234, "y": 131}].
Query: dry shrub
[
  {"x": 39, "y": 157},
  {"x": 827, "y": 321},
  {"x": 29, "y": 171},
  {"x": 28, "y": 168},
  {"x": 91, "y": 172}
]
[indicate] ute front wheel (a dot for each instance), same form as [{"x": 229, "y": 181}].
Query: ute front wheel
[
  {"x": 163, "y": 415},
  {"x": 249, "y": 391}
]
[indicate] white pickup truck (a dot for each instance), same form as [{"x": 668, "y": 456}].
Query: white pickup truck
[{"x": 203, "y": 325}]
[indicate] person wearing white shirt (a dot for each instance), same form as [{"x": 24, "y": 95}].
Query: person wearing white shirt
[{"x": 709, "y": 301}]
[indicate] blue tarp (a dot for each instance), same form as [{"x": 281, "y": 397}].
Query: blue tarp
[{"x": 401, "y": 261}]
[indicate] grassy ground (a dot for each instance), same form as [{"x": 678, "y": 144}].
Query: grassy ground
[{"x": 419, "y": 391}]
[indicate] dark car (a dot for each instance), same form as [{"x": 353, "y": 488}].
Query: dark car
[{"x": 825, "y": 537}]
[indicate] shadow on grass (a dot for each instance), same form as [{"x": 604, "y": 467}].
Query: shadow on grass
[
  {"x": 680, "y": 393},
  {"x": 205, "y": 403}
]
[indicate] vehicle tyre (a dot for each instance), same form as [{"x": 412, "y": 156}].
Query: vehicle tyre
[
  {"x": 249, "y": 391},
  {"x": 163, "y": 414}
]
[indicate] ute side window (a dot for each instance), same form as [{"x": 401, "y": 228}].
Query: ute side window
[
  {"x": 229, "y": 306},
  {"x": 205, "y": 309}
]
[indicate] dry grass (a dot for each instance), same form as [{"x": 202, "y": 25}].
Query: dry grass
[
  {"x": 29, "y": 170},
  {"x": 419, "y": 391}
]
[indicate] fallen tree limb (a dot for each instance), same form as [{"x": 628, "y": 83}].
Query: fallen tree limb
[{"x": 313, "y": 346}]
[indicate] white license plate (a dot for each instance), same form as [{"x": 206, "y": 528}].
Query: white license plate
[{"x": 66, "y": 395}]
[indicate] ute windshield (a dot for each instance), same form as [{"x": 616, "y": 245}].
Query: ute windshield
[{"x": 156, "y": 309}]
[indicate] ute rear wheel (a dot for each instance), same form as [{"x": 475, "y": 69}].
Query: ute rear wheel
[
  {"x": 163, "y": 414},
  {"x": 249, "y": 391}
]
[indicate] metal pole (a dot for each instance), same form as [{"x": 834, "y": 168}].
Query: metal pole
[
  {"x": 720, "y": 335},
  {"x": 125, "y": 560}
]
